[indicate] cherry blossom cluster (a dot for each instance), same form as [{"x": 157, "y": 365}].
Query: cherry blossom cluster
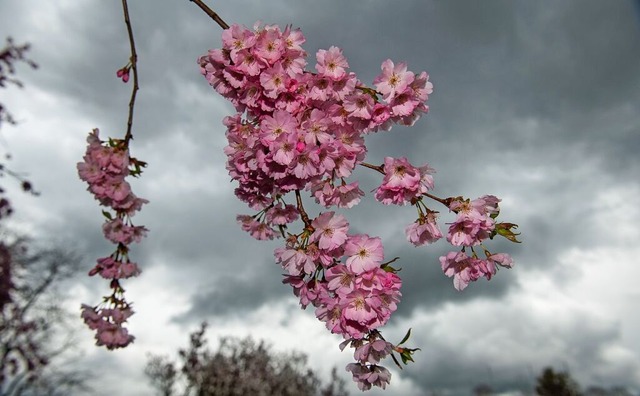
[
  {"x": 298, "y": 130},
  {"x": 354, "y": 293},
  {"x": 353, "y": 296},
  {"x": 403, "y": 183},
  {"x": 475, "y": 222},
  {"x": 108, "y": 324},
  {"x": 369, "y": 351},
  {"x": 105, "y": 168},
  {"x": 303, "y": 130}
]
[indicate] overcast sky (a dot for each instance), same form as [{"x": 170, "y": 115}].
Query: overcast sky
[{"x": 536, "y": 102}]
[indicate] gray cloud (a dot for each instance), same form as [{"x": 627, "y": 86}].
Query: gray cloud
[{"x": 533, "y": 343}]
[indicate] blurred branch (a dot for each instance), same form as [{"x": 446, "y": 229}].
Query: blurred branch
[
  {"x": 134, "y": 66},
  {"x": 211, "y": 13},
  {"x": 9, "y": 56},
  {"x": 34, "y": 330}
]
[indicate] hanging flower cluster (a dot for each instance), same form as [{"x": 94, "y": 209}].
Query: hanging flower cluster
[
  {"x": 105, "y": 168},
  {"x": 297, "y": 130}
]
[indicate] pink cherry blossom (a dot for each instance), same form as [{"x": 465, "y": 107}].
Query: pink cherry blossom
[
  {"x": 465, "y": 269},
  {"x": 359, "y": 105},
  {"x": 502, "y": 259},
  {"x": 423, "y": 231},
  {"x": 274, "y": 80},
  {"x": 401, "y": 183},
  {"x": 366, "y": 376},
  {"x": 373, "y": 352},
  {"x": 237, "y": 39},
  {"x": 330, "y": 230},
  {"x": 331, "y": 63},
  {"x": 282, "y": 214},
  {"x": 295, "y": 261},
  {"x": 393, "y": 80},
  {"x": 364, "y": 253},
  {"x": 269, "y": 45},
  {"x": 340, "y": 279}
]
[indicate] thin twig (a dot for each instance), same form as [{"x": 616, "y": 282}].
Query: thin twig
[
  {"x": 378, "y": 168},
  {"x": 303, "y": 215},
  {"x": 211, "y": 13},
  {"x": 134, "y": 65},
  {"x": 446, "y": 202}
]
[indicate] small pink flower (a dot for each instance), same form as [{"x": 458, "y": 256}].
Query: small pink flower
[
  {"x": 295, "y": 261},
  {"x": 309, "y": 292},
  {"x": 281, "y": 215},
  {"x": 118, "y": 190},
  {"x": 274, "y": 80},
  {"x": 380, "y": 116},
  {"x": 128, "y": 270},
  {"x": 359, "y": 105},
  {"x": 393, "y": 80},
  {"x": 331, "y": 314},
  {"x": 330, "y": 230},
  {"x": 364, "y": 253},
  {"x": 90, "y": 172},
  {"x": 366, "y": 376},
  {"x": 261, "y": 231},
  {"x": 465, "y": 269},
  {"x": 116, "y": 231},
  {"x": 340, "y": 279},
  {"x": 402, "y": 182},
  {"x": 373, "y": 352},
  {"x": 331, "y": 63},
  {"x": 237, "y": 38},
  {"x": 424, "y": 231},
  {"x": 269, "y": 46},
  {"x": 359, "y": 307},
  {"x": 502, "y": 259},
  {"x": 348, "y": 195},
  {"x": 113, "y": 336},
  {"x": 293, "y": 39},
  {"x": 469, "y": 231},
  {"x": 92, "y": 319},
  {"x": 273, "y": 126}
]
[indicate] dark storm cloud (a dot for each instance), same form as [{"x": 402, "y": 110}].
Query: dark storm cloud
[
  {"x": 69, "y": 61},
  {"x": 583, "y": 56},
  {"x": 227, "y": 296},
  {"x": 534, "y": 344}
]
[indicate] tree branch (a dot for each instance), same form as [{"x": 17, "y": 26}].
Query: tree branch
[
  {"x": 211, "y": 13},
  {"x": 134, "y": 65}
]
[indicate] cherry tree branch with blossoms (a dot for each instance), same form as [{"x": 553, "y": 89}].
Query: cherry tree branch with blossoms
[
  {"x": 216, "y": 18},
  {"x": 298, "y": 130},
  {"x": 105, "y": 167}
]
